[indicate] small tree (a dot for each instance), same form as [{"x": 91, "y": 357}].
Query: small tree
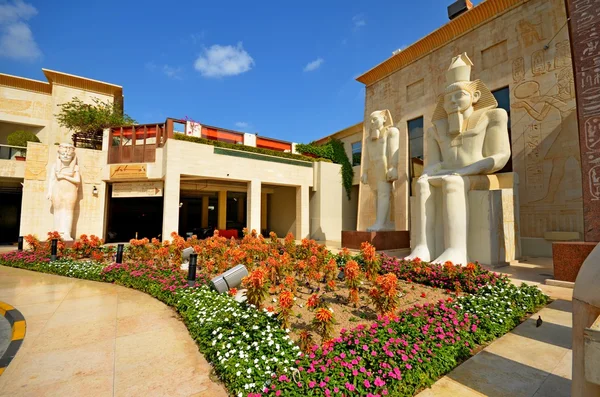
[
  {"x": 20, "y": 138},
  {"x": 87, "y": 121}
]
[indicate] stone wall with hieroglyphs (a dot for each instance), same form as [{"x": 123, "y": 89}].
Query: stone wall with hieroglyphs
[
  {"x": 507, "y": 51},
  {"x": 36, "y": 215}
]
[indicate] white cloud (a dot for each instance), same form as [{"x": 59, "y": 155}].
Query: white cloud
[
  {"x": 151, "y": 66},
  {"x": 242, "y": 124},
  {"x": 359, "y": 21},
  {"x": 220, "y": 61},
  {"x": 173, "y": 72},
  {"x": 16, "y": 38},
  {"x": 314, "y": 65}
]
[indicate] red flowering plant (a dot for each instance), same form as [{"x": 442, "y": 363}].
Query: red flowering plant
[
  {"x": 33, "y": 243},
  {"x": 323, "y": 323},
  {"x": 285, "y": 302},
  {"x": 385, "y": 295},
  {"x": 353, "y": 278},
  {"x": 87, "y": 247},
  {"x": 371, "y": 260},
  {"x": 257, "y": 285},
  {"x": 457, "y": 278}
]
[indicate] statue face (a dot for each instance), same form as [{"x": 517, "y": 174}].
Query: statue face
[
  {"x": 66, "y": 154},
  {"x": 377, "y": 122},
  {"x": 458, "y": 101}
]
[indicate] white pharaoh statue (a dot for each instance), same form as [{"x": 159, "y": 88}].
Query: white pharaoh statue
[
  {"x": 63, "y": 184},
  {"x": 469, "y": 137},
  {"x": 380, "y": 165}
]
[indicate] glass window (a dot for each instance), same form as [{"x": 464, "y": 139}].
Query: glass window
[
  {"x": 502, "y": 95},
  {"x": 356, "y": 152},
  {"x": 415, "y": 136}
]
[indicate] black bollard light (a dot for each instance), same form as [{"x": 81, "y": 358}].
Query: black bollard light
[
  {"x": 120, "y": 253},
  {"x": 20, "y": 243},
  {"x": 192, "y": 269},
  {"x": 54, "y": 249}
]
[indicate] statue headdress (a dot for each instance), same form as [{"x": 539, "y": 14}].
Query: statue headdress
[
  {"x": 458, "y": 77},
  {"x": 70, "y": 147},
  {"x": 386, "y": 124}
]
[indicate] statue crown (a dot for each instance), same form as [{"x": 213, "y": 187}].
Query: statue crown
[{"x": 459, "y": 70}]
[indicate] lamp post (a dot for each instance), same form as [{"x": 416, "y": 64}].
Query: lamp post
[
  {"x": 53, "y": 249},
  {"x": 20, "y": 243},
  {"x": 192, "y": 270},
  {"x": 119, "y": 258}
]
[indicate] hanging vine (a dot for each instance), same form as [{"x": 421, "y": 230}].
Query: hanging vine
[{"x": 334, "y": 151}]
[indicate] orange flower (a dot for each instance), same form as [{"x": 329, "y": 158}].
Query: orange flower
[
  {"x": 323, "y": 315},
  {"x": 286, "y": 299},
  {"x": 313, "y": 301}
]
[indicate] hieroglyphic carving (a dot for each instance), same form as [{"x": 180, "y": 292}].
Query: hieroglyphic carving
[
  {"x": 538, "y": 63},
  {"x": 584, "y": 31},
  {"x": 562, "y": 55},
  {"x": 529, "y": 32},
  {"x": 534, "y": 170},
  {"x": 518, "y": 69}
]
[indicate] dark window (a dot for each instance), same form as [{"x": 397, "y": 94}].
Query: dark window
[
  {"x": 415, "y": 148},
  {"x": 356, "y": 152},
  {"x": 415, "y": 136},
  {"x": 502, "y": 95}
]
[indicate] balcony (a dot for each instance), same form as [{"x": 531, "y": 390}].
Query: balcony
[
  {"x": 136, "y": 143},
  {"x": 8, "y": 152}
]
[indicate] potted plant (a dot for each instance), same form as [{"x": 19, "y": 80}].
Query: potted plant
[
  {"x": 20, "y": 138},
  {"x": 88, "y": 120}
]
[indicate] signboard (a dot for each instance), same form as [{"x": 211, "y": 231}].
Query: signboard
[
  {"x": 129, "y": 171},
  {"x": 137, "y": 189},
  {"x": 193, "y": 129}
]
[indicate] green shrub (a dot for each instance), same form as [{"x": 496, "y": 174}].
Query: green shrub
[
  {"x": 21, "y": 137},
  {"x": 225, "y": 145}
]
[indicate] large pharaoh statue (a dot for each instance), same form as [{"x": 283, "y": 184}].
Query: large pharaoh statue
[
  {"x": 63, "y": 184},
  {"x": 380, "y": 165},
  {"x": 469, "y": 137}
]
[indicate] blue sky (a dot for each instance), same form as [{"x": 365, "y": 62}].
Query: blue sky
[{"x": 282, "y": 69}]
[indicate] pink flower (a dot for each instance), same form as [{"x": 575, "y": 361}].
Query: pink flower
[
  {"x": 378, "y": 382},
  {"x": 312, "y": 384},
  {"x": 367, "y": 383},
  {"x": 350, "y": 386}
]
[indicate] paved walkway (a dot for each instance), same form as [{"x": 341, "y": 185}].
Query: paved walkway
[
  {"x": 528, "y": 361},
  {"x": 96, "y": 339}
]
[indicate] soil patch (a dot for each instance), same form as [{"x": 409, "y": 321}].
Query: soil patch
[{"x": 346, "y": 315}]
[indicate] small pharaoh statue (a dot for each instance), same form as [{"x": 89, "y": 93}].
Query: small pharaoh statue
[
  {"x": 63, "y": 184},
  {"x": 380, "y": 165},
  {"x": 469, "y": 137}
]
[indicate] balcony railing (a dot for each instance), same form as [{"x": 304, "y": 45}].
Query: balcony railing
[
  {"x": 8, "y": 152},
  {"x": 137, "y": 143}
]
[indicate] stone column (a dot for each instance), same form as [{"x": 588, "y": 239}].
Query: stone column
[
  {"x": 253, "y": 207},
  {"x": 171, "y": 205},
  {"x": 204, "y": 211},
  {"x": 222, "y": 220},
  {"x": 302, "y": 212},
  {"x": 583, "y": 32},
  {"x": 263, "y": 211}
]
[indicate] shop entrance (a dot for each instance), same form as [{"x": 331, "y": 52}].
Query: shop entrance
[
  {"x": 134, "y": 216},
  {"x": 11, "y": 195}
]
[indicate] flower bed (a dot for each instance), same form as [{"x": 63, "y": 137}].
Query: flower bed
[{"x": 253, "y": 355}]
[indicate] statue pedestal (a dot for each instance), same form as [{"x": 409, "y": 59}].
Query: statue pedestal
[{"x": 385, "y": 240}]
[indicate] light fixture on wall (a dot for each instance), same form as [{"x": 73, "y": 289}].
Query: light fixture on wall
[{"x": 95, "y": 191}]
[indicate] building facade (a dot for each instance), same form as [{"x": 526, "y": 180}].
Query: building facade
[
  {"x": 521, "y": 51},
  {"x": 151, "y": 180}
]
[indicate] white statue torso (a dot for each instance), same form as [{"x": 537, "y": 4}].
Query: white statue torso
[{"x": 463, "y": 149}]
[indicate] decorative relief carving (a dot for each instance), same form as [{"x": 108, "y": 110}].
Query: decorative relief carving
[
  {"x": 518, "y": 69},
  {"x": 530, "y": 33},
  {"x": 538, "y": 63}
]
